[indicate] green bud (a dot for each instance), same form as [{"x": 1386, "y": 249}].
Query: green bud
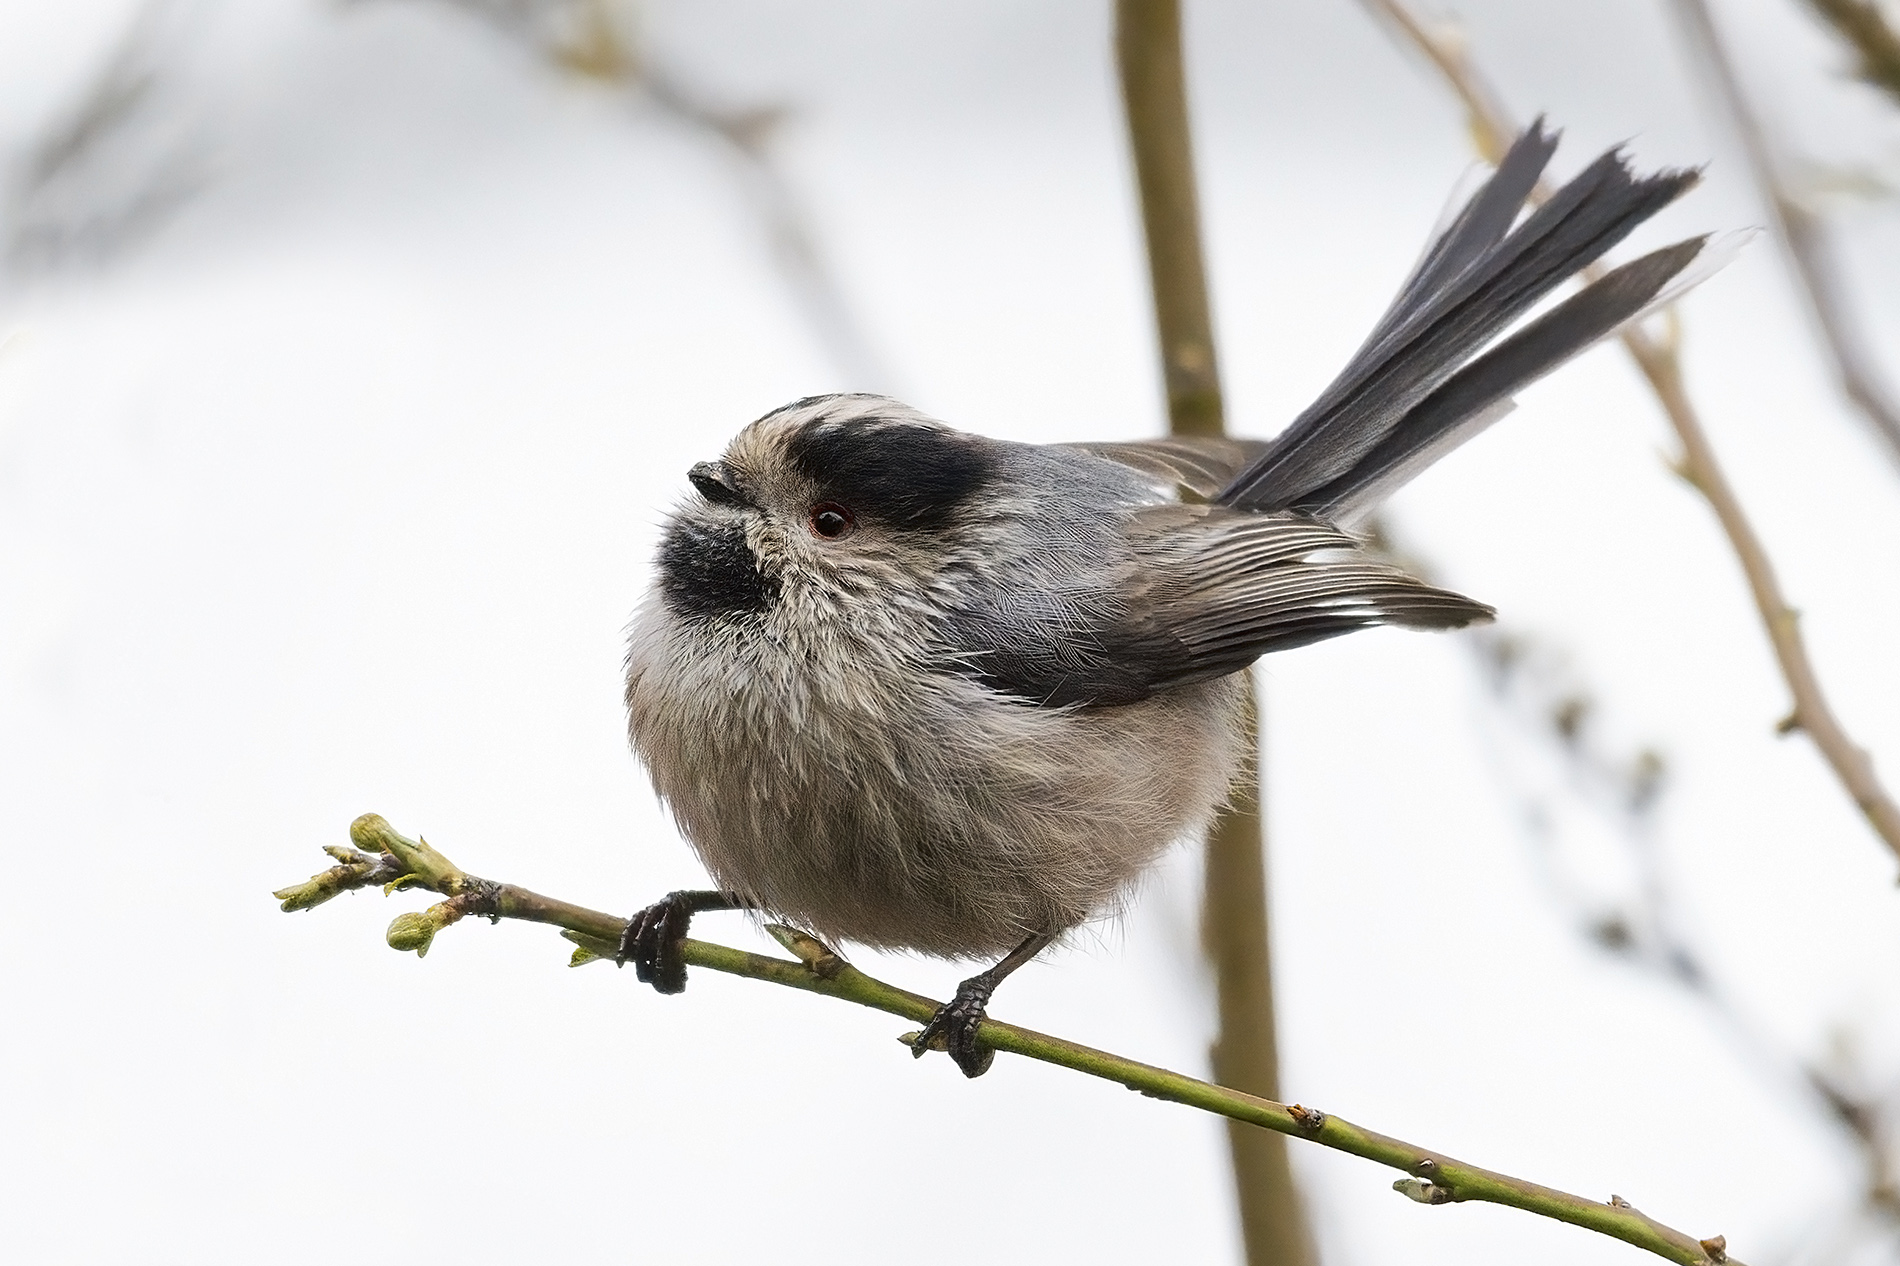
[
  {"x": 307, "y": 895},
  {"x": 414, "y": 931},
  {"x": 1422, "y": 1190},
  {"x": 368, "y": 832}
]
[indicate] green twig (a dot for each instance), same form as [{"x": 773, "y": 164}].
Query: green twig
[{"x": 1434, "y": 1178}]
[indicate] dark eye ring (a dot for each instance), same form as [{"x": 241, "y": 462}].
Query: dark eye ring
[{"x": 831, "y": 520}]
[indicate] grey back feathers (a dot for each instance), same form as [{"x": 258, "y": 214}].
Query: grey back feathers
[{"x": 1196, "y": 468}]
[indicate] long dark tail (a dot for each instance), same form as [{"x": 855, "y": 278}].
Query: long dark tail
[{"x": 1424, "y": 381}]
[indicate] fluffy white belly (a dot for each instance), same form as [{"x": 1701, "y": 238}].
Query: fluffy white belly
[{"x": 905, "y": 808}]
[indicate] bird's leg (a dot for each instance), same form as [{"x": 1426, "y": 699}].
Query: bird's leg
[
  {"x": 652, "y": 937},
  {"x": 956, "y": 1020}
]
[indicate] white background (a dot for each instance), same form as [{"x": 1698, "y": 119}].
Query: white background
[{"x": 334, "y": 495}]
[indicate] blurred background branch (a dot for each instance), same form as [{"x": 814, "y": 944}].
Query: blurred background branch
[
  {"x": 1657, "y": 358},
  {"x": 600, "y": 41},
  {"x": 109, "y": 171},
  {"x": 1234, "y": 926},
  {"x": 1803, "y": 233},
  {"x": 1550, "y": 712},
  {"x": 1548, "y": 708},
  {"x": 1865, "y": 28},
  {"x": 1542, "y": 701}
]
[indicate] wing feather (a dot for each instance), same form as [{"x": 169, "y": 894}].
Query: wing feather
[
  {"x": 1206, "y": 591},
  {"x": 1233, "y": 586}
]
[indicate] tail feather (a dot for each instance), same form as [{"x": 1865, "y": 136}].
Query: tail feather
[
  {"x": 1480, "y": 393},
  {"x": 1407, "y": 392},
  {"x": 1479, "y": 226}
]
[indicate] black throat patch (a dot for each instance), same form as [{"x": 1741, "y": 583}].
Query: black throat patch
[
  {"x": 707, "y": 570},
  {"x": 894, "y": 473}
]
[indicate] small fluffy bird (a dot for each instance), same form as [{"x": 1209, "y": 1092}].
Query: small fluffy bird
[{"x": 919, "y": 689}]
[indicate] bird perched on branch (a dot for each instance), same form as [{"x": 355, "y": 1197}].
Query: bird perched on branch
[{"x": 915, "y": 688}]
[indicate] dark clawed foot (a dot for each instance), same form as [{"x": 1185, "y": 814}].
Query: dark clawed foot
[
  {"x": 651, "y": 942},
  {"x": 955, "y": 1022}
]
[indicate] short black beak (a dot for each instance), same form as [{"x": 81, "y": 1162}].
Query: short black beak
[{"x": 715, "y": 483}]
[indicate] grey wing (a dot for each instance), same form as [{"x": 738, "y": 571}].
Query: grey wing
[
  {"x": 1224, "y": 588},
  {"x": 1191, "y": 467},
  {"x": 1204, "y": 592}
]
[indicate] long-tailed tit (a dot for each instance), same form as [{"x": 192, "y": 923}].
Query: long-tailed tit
[{"x": 915, "y": 688}]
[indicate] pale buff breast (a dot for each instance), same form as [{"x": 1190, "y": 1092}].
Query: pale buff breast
[{"x": 873, "y": 802}]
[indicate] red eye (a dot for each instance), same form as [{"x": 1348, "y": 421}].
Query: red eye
[{"x": 831, "y": 520}]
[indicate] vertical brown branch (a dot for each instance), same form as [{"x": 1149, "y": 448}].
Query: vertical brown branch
[
  {"x": 1234, "y": 910},
  {"x": 1154, "y": 94},
  {"x": 1246, "y": 1053}
]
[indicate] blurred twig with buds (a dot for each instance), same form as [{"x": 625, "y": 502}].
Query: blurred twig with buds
[
  {"x": 1804, "y": 233},
  {"x": 1657, "y": 357},
  {"x": 111, "y": 170},
  {"x": 599, "y": 41},
  {"x": 1862, "y": 25},
  {"x": 1645, "y": 931}
]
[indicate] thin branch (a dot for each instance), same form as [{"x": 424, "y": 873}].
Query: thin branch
[
  {"x": 598, "y": 40},
  {"x": 120, "y": 162},
  {"x": 1234, "y": 930},
  {"x": 1245, "y": 1053},
  {"x": 1657, "y": 358},
  {"x": 1154, "y": 97},
  {"x": 1644, "y": 927},
  {"x": 1434, "y": 1178},
  {"x": 1810, "y": 247},
  {"x": 1861, "y": 24}
]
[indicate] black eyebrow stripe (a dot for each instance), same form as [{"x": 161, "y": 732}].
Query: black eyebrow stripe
[{"x": 902, "y": 474}]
